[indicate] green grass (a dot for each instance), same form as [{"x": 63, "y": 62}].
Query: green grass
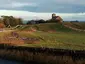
[
  {"x": 63, "y": 37},
  {"x": 60, "y": 40},
  {"x": 47, "y": 27}
]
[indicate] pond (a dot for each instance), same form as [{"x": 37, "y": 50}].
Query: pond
[{"x": 8, "y": 62}]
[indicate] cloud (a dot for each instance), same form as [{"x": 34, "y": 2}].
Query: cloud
[
  {"x": 58, "y": 6},
  {"x": 17, "y": 4},
  {"x": 10, "y": 4},
  {"x": 42, "y": 9},
  {"x": 33, "y": 15}
]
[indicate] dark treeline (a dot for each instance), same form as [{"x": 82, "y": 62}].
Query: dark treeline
[
  {"x": 36, "y": 21},
  {"x": 42, "y": 21}
]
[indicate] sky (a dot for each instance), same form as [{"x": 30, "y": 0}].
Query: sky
[{"x": 42, "y": 9}]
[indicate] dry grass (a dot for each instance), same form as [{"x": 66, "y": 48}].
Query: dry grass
[{"x": 7, "y": 37}]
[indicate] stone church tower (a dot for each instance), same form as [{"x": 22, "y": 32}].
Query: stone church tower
[{"x": 57, "y": 18}]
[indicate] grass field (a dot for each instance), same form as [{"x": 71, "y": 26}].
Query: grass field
[
  {"x": 59, "y": 40},
  {"x": 54, "y": 35}
]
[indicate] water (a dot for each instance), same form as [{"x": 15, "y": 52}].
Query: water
[{"x": 8, "y": 62}]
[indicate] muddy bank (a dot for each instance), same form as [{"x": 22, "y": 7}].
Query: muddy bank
[{"x": 42, "y": 55}]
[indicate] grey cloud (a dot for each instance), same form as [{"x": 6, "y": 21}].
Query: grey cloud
[{"x": 64, "y": 6}]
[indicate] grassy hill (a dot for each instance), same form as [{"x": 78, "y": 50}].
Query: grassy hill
[
  {"x": 47, "y": 27},
  {"x": 55, "y": 35},
  {"x": 65, "y": 27}
]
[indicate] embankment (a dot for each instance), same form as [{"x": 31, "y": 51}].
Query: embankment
[{"x": 42, "y": 55}]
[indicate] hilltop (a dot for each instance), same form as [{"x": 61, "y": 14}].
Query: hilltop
[{"x": 64, "y": 27}]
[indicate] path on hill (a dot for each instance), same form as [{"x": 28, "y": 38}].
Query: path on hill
[
  {"x": 6, "y": 30},
  {"x": 74, "y": 28}
]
